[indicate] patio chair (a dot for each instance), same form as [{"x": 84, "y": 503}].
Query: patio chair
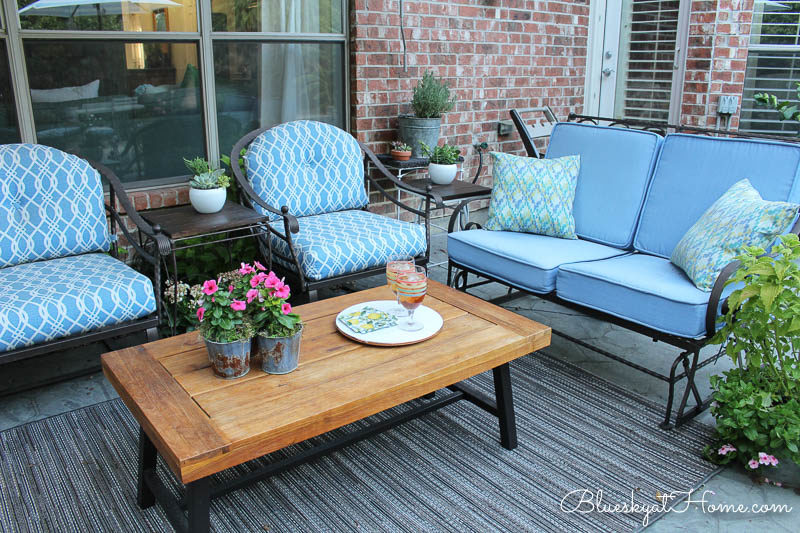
[
  {"x": 62, "y": 282},
  {"x": 309, "y": 178}
]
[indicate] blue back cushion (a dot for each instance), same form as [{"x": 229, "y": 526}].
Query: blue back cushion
[
  {"x": 311, "y": 167},
  {"x": 694, "y": 171},
  {"x": 616, "y": 165},
  {"x": 51, "y": 205}
]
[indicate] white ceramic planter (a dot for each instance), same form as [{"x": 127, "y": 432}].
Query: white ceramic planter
[
  {"x": 207, "y": 200},
  {"x": 442, "y": 174}
]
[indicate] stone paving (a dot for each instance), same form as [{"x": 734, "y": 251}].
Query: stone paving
[{"x": 731, "y": 486}]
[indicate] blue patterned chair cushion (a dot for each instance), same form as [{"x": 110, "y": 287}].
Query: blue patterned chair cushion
[
  {"x": 47, "y": 300},
  {"x": 339, "y": 243},
  {"x": 739, "y": 218},
  {"x": 51, "y": 205},
  {"x": 310, "y": 167},
  {"x": 533, "y": 195}
]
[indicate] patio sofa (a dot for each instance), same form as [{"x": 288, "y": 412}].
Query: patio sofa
[
  {"x": 62, "y": 282},
  {"x": 637, "y": 194}
]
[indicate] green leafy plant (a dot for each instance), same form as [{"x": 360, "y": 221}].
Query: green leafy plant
[
  {"x": 431, "y": 97},
  {"x": 223, "y": 311},
  {"x": 441, "y": 155},
  {"x": 756, "y": 404},
  {"x": 787, "y": 110},
  {"x": 197, "y": 165},
  {"x": 212, "y": 179},
  {"x": 400, "y": 146}
]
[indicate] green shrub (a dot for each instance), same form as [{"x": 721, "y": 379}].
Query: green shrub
[
  {"x": 441, "y": 155},
  {"x": 431, "y": 97}
]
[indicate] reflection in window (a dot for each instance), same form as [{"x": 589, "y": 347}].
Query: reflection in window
[
  {"x": 284, "y": 16},
  {"x": 136, "y": 107},
  {"x": 259, "y": 85},
  {"x": 9, "y": 133},
  {"x": 108, "y": 15}
]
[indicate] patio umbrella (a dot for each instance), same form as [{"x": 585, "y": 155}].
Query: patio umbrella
[{"x": 84, "y": 8}]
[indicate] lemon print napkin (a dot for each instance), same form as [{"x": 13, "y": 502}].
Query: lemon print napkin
[{"x": 368, "y": 319}]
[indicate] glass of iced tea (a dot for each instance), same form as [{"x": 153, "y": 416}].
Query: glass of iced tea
[
  {"x": 411, "y": 288},
  {"x": 393, "y": 268}
]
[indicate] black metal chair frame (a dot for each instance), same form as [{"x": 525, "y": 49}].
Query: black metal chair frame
[
  {"x": 149, "y": 324},
  {"x": 290, "y": 225},
  {"x": 688, "y": 361}
]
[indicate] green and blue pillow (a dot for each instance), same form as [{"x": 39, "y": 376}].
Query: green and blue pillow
[
  {"x": 739, "y": 218},
  {"x": 533, "y": 195}
]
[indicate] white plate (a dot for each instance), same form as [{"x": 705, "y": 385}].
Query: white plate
[{"x": 393, "y": 336}]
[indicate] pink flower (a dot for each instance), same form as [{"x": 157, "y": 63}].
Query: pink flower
[
  {"x": 286, "y": 308},
  {"x": 753, "y": 464},
  {"x": 246, "y": 269},
  {"x": 238, "y": 305},
  {"x": 256, "y": 280},
  {"x": 210, "y": 287},
  {"x": 230, "y": 288},
  {"x": 201, "y": 312},
  {"x": 271, "y": 280},
  {"x": 726, "y": 448},
  {"x": 765, "y": 459},
  {"x": 281, "y": 292},
  {"x": 252, "y": 294},
  {"x": 259, "y": 265}
]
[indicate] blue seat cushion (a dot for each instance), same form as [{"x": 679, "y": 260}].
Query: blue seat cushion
[
  {"x": 616, "y": 165},
  {"x": 694, "y": 171},
  {"x": 333, "y": 244},
  {"x": 644, "y": 289},
  {"x": 47, "y": 300},
  {"x": 51, "y": 205},
  {"x": 308, "y": 166},
  {"x": 524, "y": 260}
]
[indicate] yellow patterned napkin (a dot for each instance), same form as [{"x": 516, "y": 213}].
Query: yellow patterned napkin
[{"x": 368, "y": 319}]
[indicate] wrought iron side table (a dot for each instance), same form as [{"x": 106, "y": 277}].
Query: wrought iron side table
[{"x": 182, "y": 223}]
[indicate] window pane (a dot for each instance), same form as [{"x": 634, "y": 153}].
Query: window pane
[
  {"x": 774, "y": 73},
  {"x": 108, "y": 15},
  {"x": 9, "y": 132},
  {"x": 286, "y": 16},
  {"x": 260, "y": 85},
  {"x": 135, "y": 107}
]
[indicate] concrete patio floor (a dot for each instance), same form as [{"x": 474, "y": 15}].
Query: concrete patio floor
[{"x": 731, "y": 486}]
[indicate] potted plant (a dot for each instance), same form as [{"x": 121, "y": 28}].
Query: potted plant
[
  {"x": 278, "y": 329},
  {"x": 431, "y": 99},
  {"x": 757, "y": 403},
  {"x": 443, "y": 165},
  {"x": 400, "y": 151},
  {"x": 207, "y": 187},
  {"x": 226, "y": 326}
]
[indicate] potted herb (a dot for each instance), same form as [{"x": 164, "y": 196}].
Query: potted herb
[
  {"x": 430, "y": 101},
  {"x": 400, "y": 151},
  {"x": 443, "y": 165},
  {"x": 207, "y": 187},
  {"x": 757, "y": 403},
  {"x": 226, "y": 326},
  {"x": 277, "y": 341}
]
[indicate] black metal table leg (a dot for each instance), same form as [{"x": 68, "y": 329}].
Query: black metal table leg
[
  {"x": 505, "y": 406},
  {"x": 198, "y": 500},
  {"x": 147, "y": 462}
]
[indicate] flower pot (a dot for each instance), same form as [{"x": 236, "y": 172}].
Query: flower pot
[
  {"x": 229, "y": 360},
  {"x": 442, "y": 174},
  {"x": 412, "y": 130},
  {"x": 401, "y": 155},
  {"x": 207, "y": 200},
  {"x": 279, "y": 355}
]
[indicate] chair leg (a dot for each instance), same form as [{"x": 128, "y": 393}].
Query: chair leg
[
  {"x": 313, "y": 296},
  {"x": 690, "y": 386},
  {"x": 152, "y": 334},
  {"x": 667, "y": 423}
]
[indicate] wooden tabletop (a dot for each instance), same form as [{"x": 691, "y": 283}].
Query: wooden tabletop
[
  {"x": 455, "y": 190},
  {"x": 183, "y": 221},
  {"x": 202, "y": 424}
]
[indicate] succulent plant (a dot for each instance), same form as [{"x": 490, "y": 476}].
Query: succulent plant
[
  {"x": 212, "y": 179},
  {"x": 400, "y": 146}
]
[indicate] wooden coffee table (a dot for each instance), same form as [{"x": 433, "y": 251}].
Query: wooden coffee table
[{"x": 201, "y": 425}]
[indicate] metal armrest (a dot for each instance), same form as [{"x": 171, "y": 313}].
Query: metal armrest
[
  {"x": 437, "y": 199},
  {"x": 455, "y": 215}
]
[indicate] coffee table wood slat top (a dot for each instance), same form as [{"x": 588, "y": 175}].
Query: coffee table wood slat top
[{"x": 202, "y": 424}]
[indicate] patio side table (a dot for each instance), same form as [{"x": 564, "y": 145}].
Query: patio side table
[{"x": 181, "y": 223}]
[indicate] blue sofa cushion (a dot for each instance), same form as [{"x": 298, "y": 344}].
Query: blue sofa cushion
[
  {"x": 344, "y": 242},
  {"x": 693, "y": 171},
  {"x": 47, "y": 300},
  {"x": 51, "y": 205},
  {"x": 644, "y": 289},
  {"x": 524, "y": 260},
  {"x": 616, "y": 165},
  {"x": 311, "y": 167}
]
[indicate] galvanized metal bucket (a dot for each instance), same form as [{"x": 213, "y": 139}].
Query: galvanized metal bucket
[
  {"x": 412, "y": 130},
  {"x": 279, "y": 355},
  {"x": 229, "y": 360}
]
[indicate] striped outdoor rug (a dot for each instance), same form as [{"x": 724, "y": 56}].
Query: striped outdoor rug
[{"x": 443, "y": 472}]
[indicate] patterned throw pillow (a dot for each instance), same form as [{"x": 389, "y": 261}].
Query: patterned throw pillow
[
  {"x": 533, "y": 195},
  {"x": 739, "y": 218}
]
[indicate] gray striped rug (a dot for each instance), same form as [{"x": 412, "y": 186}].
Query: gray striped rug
[{"x": 443, "y": 472}]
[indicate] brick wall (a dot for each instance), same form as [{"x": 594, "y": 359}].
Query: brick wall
[{"x": 719, "y": 32}]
